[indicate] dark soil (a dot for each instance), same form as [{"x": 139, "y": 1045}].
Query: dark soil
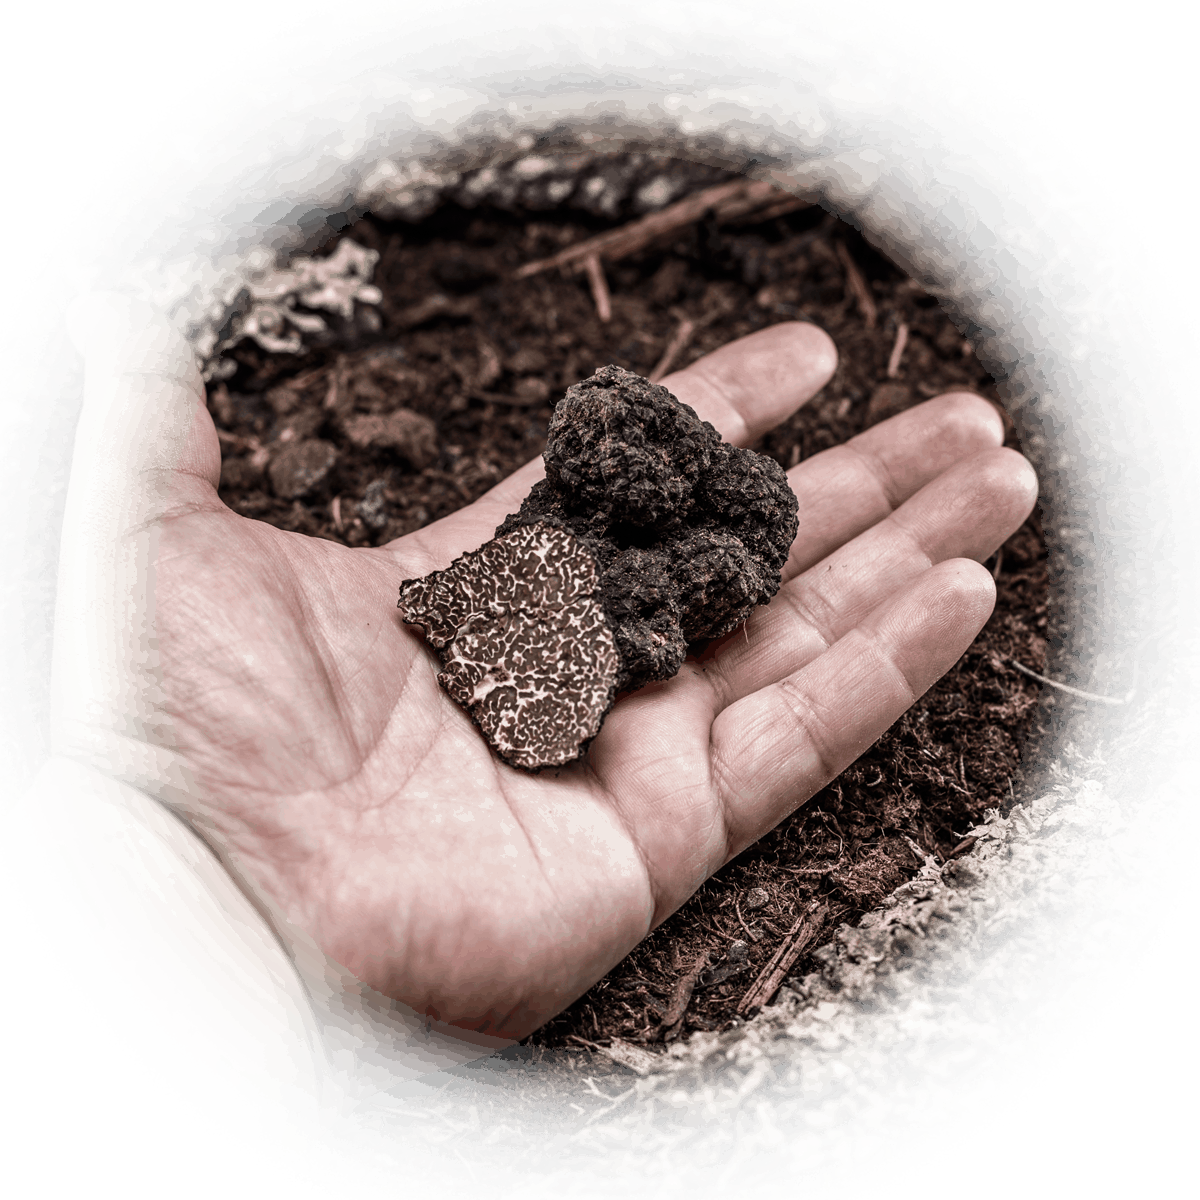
[{"x": 482, "y": 365}]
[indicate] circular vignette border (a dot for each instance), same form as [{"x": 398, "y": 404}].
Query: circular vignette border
[{"x": 923, "y": 1186}]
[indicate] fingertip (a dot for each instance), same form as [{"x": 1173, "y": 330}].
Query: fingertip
[
  {"x": 816, "y": 348},
  {"x": 1025, "y": 480},
  {"x": 965, "y": 418},
  {"x": 966, "y": 594},
  {"x": 750, "y": 385}
]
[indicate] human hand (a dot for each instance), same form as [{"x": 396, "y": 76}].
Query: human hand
[{"x": 262, "y": 683}]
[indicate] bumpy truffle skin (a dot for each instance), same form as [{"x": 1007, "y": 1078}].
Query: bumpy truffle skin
[
  {"x": 648, "y": 533},
  {"x": 690, "y": 532},
  {"x": 627, "y": 451}
]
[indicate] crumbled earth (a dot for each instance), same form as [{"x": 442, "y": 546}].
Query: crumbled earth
[{"x": 648, "y": 534}]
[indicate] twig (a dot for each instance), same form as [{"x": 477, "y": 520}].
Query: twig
[
  {"x": 999, "y": 561},
  {"x": 893, "y": 367},
  {"x": 741, "y": 921},
  {"x": 857, "y": 285},
  {"x": 335, "y": 511},
  {"x": 682, "y": 995},
  {"x": 574, "y": 1037},
  {"x": 332, "y": 392},
  {"x": 801, "y": 935},
  {"x": 457, "y": 1155},
  {"x": 675, "y": 347},
  {"x": 595, "y": 274},
  {"x": 726, "y": 201},
  {"x": 1072, "y": 691}
]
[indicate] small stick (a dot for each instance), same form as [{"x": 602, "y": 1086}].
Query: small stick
[
  {"x": 893, "y": 367},
  {"x": 1072, "y": 691},
  {"x": 857, "y": 285},
  {"x": 574, "y": 1037},
  {"x": 726, "y": 201},
  {"x": 999, "y": 561},
  {"x": 335, "y": 511},
  {"x": 675, "y": 347},
  {"x": 742, "y": 922},
  {"x": 595, "y": 274},
  {"x": 331, "y": 392},
  {"x": 801, "y": 935},
  {"x": 682, "y": 995}
]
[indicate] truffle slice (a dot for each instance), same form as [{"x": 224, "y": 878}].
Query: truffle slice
[
  {"x": 648, "y": 533},
  {"x": 525, "y": 644}
]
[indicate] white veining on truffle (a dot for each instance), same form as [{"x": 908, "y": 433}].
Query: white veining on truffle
[{"x": 524, "y": 640}]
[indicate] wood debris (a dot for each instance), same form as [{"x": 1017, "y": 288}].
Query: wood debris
[
  {"x": 799, "y": 939},
  {"x": 681, "y": 997},
  {"x": 725, "y": 201},
  {"x": 599, "y": 285},
  {"x": 893, "y": 367},
  {"x": 857, "y": 286},
  {"x": 640, "y": 1061},
  {"x": 1072, "y": 691},
  {"x": 675, "y": 347}
]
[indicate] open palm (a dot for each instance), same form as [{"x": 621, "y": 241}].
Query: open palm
[{"x": 363, "y": 806}]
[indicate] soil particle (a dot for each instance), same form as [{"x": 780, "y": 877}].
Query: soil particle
[
  {"x": 412, "y": 436},
  {"x": 300, "y": 466}
]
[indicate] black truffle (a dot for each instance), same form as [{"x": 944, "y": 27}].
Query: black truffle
[{"x": 647, "y": 534}]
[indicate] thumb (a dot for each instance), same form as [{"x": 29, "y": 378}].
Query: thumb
[{"x": 145, "y": 448}]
